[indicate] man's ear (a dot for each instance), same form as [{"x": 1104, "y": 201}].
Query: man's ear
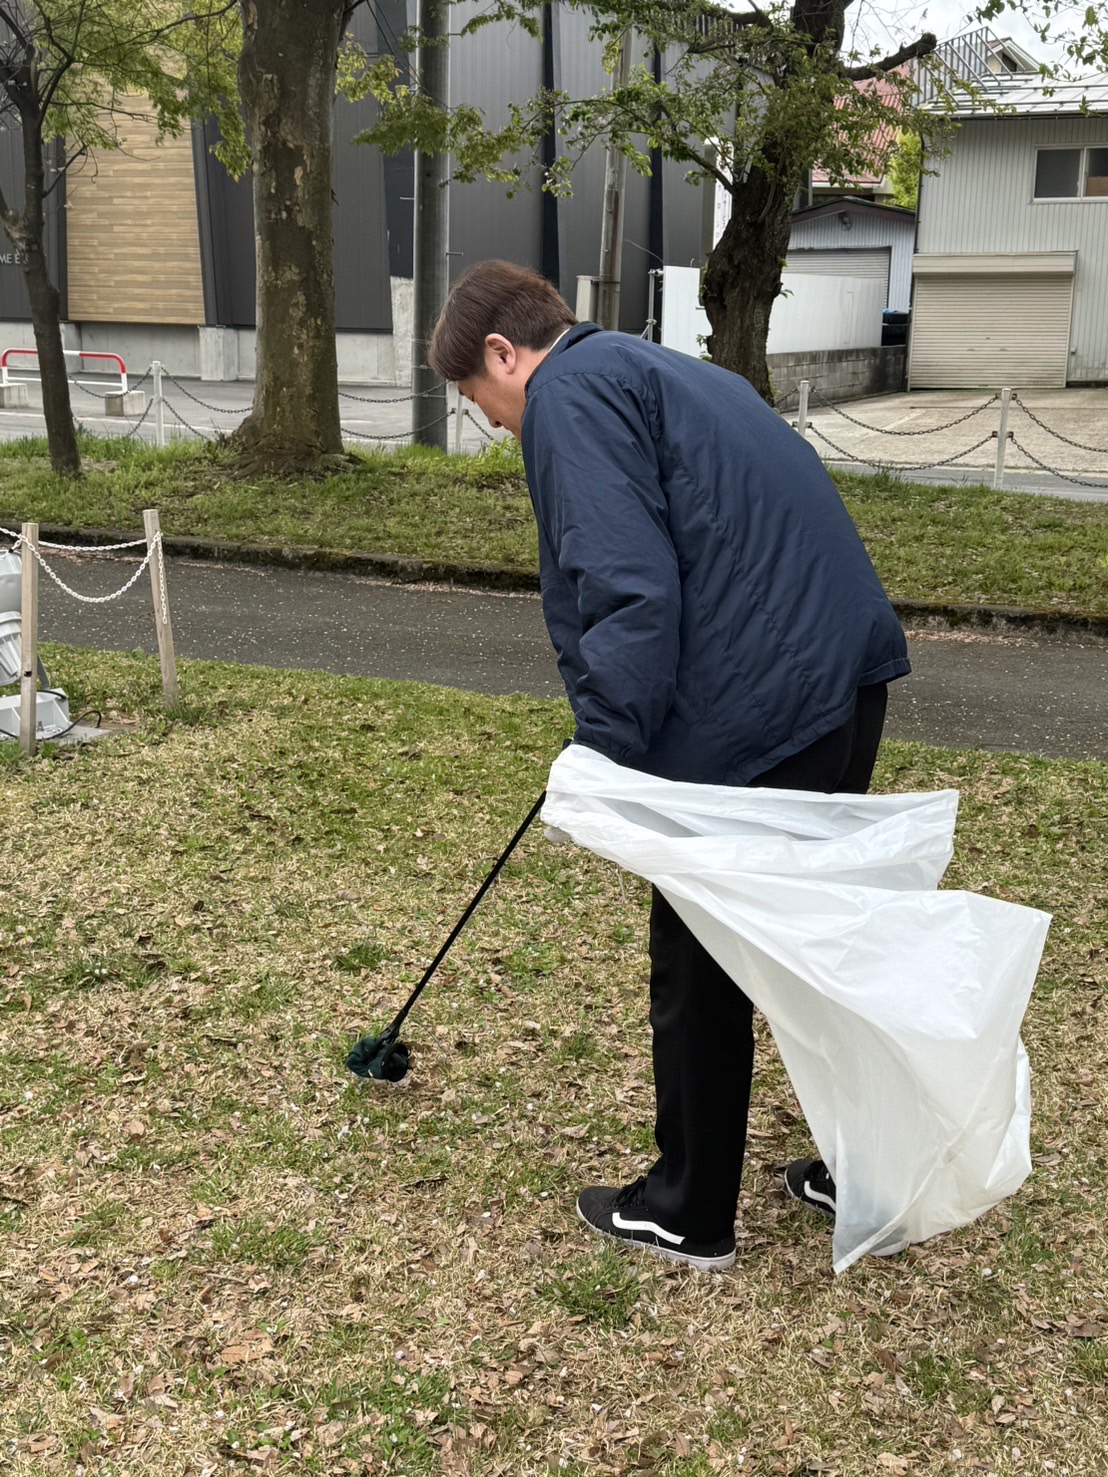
[{"x": 500, "y": 351}]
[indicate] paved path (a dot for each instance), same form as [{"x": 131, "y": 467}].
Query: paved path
[{"x": 1035, "y": 695}]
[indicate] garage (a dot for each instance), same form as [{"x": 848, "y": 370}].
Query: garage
[
  {"x": 990, "y": 320},
  {"x": 830, "y": 300}
]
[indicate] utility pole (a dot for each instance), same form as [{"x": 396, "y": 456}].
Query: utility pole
[
  {"x": 611, "y": 232},
  {"x": 432, "y": 225}
]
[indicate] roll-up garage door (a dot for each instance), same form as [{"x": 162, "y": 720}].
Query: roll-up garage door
[
  {"x": 980, "y": 331},
  {"x": 856, "y": 262}
]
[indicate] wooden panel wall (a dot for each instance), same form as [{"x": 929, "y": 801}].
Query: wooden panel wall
[{"x": 133, "y": 238}]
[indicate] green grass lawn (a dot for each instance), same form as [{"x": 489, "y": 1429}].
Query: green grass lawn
[
  {"x": 221, "y": 1253},
  {"x": 967, "y": 545}
]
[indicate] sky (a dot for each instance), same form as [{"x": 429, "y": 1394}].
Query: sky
[{"x": 886, "y": 24}]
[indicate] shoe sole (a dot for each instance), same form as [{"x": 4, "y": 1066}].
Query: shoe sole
[{"x": 701, "y": 1263}]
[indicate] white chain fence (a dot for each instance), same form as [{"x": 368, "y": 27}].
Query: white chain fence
[
  {"x": 807, "y": 396},
  {"x": 154, "y": 545},
  {"x": 27, "y": 539},
  {"x": 1007, "y": 402}
]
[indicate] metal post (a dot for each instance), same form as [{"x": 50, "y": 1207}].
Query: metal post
[
  {"x": 164, "y": 626},
  {"x": 28, "y": 640},
  {"x": 1002, "y": 437},
  {"x": 432, "y": 224},
  {"x": 159, "y": 404},
  {"x": 802, "y": 409},
  {"x": 652, "y": 279},
  {"x": 611, "y": 236},
  {"x": 459, "y": 424}
]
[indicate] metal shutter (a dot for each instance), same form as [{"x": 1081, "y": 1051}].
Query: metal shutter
[
  {"x": 981, "y": 332},
  {"x": 832, "y": 263}
]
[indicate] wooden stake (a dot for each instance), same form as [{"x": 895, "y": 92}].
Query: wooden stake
[
  {"x": 28, "y": 641},
  {"x": 162, "y": 622}
]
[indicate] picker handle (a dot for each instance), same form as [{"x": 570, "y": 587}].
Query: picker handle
[{"x": 391, "y": 1032}]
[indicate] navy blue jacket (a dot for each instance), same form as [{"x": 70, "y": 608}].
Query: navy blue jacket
[{"x": 711, "y": 605}]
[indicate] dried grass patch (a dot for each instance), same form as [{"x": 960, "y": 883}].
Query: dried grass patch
[{"x": 222, "y": 1254}]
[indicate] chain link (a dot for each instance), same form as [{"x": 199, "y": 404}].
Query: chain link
[
  {"x": 138, "y": 424},
  {"x": 398, "y": 436},
  {"x": 218, "y": 409},
  {"x": 393, "y": 400},
  {"x": 76, "y": 548},
  {"x": 487, "y": 434},
  {"x": 1081, "y": 446},
  {"x": 177, "y": 416},
  {"x": 885, "y": 431},
  {"x": 852, "y": 456},
  {"x": 92, "y": 599},
  {"x": 93, "y": 394},
  {"x": 1065, "y": 476},
  {"x": 161, "y": 578}
]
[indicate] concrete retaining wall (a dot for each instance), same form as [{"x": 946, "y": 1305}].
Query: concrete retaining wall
[{"x": 841, "y": 374}]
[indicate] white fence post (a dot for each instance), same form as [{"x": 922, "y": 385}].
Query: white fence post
[
  {"x": 459, "y": 424},
  {"x": 1002, "y": 437},
  {"x": 159, "y": 404},
  {"x": 162, "y": 622},
  {"x": 802, "y": 409},
  {"x": 28, "y": 641}
]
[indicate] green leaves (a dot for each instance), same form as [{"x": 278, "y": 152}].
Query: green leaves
[{"x": 93, "y": 62}]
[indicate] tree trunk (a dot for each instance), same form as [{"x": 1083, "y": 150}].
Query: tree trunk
[
  {"x": 287, "y": 83},
  {"x": 26, "y": 232},
  {"x": 743, "y": 277}
]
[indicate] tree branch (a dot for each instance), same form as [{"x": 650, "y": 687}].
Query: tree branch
[{"x": 923, "y": 47}]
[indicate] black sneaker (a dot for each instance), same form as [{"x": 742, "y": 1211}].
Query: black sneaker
[
  {"x": 808, "y": 1181},
  {"x": 623, "y": 1215}
]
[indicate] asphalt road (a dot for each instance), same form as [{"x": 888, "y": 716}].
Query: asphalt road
[{"x": 1033, "y": 695}]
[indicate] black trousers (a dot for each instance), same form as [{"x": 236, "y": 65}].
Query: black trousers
[{"x": 702, "y": 1022}]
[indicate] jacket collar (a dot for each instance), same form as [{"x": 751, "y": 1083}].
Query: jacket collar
[{"x": 574, "y": 336}]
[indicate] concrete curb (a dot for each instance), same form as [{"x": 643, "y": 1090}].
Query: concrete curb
[{"x": 999, "y": 619}]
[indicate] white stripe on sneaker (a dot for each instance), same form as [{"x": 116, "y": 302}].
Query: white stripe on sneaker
[
  {"x": 617, "y": 1220},
  {"x": 828, "y": 1200}
]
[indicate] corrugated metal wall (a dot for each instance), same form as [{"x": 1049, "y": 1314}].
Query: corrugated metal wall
[
  {"x": 14, "y": 302},
  {"x": 866, "y": 229},
  {"x": 981, "y": 201},
  {"x": 499, "y": 63},
  {"x": 361, "y": 243},
  {"x": 662, "y": 215}
]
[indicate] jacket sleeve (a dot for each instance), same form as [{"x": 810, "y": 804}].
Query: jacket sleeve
[{"x": 596, "y": 487}]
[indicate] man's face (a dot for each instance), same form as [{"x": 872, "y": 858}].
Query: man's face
[{"x": 501, "y": 392}]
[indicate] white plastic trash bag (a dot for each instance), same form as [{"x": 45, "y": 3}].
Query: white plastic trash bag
[{"x": 896, "y": 1008}]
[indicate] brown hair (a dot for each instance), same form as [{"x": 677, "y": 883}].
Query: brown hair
[{"x": 494, "y": 297}]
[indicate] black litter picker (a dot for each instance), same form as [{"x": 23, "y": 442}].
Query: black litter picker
[{"x": 384, "y": 1056}]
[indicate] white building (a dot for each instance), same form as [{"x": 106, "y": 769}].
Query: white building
[
  {"x": 848, "y": 261},
  {"x": 1011, "y": 270}
]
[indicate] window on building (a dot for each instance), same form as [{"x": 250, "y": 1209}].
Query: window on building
[
  {"x": 1058, "y": 174},
  {"x": 1071, "y": 174},
  {"x": 1096, "y": 172}
]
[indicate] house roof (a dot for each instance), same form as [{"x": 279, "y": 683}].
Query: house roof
[
  {"x": 1025, "y": 96},
  {"x": 975, "y": 71},
  {"x": 838, "y": 203}
]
